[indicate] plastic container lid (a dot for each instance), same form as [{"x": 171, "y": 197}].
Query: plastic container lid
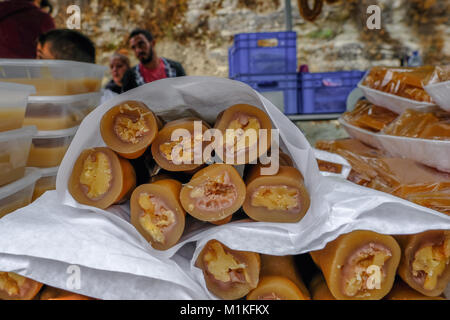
[
  {"x": 54, "y": 134},
  {"x": 9, "y": 86},
  {"x": 64, "y": 99},
  {"x": 18, "y": 133},
  {"x": 14, "y": 95},
  {"x": 50, "y": 63},
  {"x": 48, "y": 172},
  {"x": 31, "y": 176}
]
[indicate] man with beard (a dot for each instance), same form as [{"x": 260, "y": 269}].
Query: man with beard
[{"x": 151, "y": 66}]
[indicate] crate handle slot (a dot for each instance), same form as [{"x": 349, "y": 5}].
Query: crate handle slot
[
  {"x": 267, "y": 84},
  {"x": 328, "y": 82},
  {"x": 272, "y": 42}
]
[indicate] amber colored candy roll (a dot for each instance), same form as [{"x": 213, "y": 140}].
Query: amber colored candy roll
[
  {"x": 360, "y": 265},
  {"x": 214, "y": 193},
  {"x": 319, "y": 289},
  {"x": 51, "y": 293},
  {"x": 100, "y": 178},
  {"x": 243, "y": 118},
  {"x": 129, "y": 128},
  {"x": 285, "y": 160},
  {"x": 425, "y": 261},
  {"x": 157, "y": 214},
  {"x": 16, "y": 287},
  {"x": 276, "y": 198},
  {"x": 401, "y": 291},
  {"x": 163, "y": 146},
  {"x": 229, "y": 274},
  {"x": 279, "y": 280}
]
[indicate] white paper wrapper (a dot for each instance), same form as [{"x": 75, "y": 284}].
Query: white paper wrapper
[
  {"x": 440, "y": 92},
  {"x": 112, "y": 252},
  {"x": 434, "y": 153},
  {"x": 42, "y": 240},
  {"x": 335, "y": 158}
]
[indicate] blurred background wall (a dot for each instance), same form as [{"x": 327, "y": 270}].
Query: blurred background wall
[{"x": 199, "y": 32}]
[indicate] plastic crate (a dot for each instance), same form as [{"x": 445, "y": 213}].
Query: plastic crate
[
  {"x": 280, "y": 89},
  {"x": 326, "y": 92},
  {"x": 263, "y": 53}
]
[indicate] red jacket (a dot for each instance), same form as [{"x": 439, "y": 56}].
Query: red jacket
[{"x": 21, "y": 23}]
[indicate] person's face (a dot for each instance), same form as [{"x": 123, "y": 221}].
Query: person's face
[
  {"x": 118, "y": 69},
  {"x": 142, "y": 48},
  {"x": 43, "y": 51}
]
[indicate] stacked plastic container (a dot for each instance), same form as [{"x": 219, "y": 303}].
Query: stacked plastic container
[
  {"x": 64, "y": 92},
  {"x": 267, "y": 61},
  {"x": 326, "y": 92},
  {"x": 16, "y": 182}
]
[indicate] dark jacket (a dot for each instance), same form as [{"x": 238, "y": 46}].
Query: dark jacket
[
  {"x": 21, "y": 23},
  {"x": 133, "y": 78},
  {"x": 111, "y": 85}
]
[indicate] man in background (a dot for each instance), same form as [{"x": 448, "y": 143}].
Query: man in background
[
  {"x": 21, "y": 23},
  {"x": 65, "y": 44},
  {"x": 151, "y": 66}
]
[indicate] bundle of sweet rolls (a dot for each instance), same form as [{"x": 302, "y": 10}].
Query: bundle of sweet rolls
[
  {"x": 16, "y": 287},
  {"x": 430, "y": 123},
  {"x": 360, "y": 265},
  {"x": 406, "y": 82},
  {"x": 163, "y": 177}
]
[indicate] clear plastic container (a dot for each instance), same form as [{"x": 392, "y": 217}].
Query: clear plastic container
[
  {"x": 14, "y": 149},
  {"x": 46, "y": 182},
  {"x": 49, "y": 147},
  {"x": 53, "y": 77},
  {"x": 13, "y": 103},
  {"x": 60, "y": 112},
  {"x": 18, "y": 194}
]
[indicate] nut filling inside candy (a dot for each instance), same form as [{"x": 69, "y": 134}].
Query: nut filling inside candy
[
  {"x": 276, "y": 198},
  {"x": 96, "y": 176},
  {"x": 11, "y": 282},
  {"x": 430, "y": 262},
  {"x": 130, "y": 125},
  {"x": 243, "y": 126},
  {"x": 215, "y": 193},
  {"x": 364, "y": 270},
  {"x": 184, "y": 149},
  {"x": 156, "y": 218},
  {"x": 224, "y": 267}
]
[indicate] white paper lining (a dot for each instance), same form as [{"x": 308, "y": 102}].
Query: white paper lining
[{"x": 103, "y": 242}]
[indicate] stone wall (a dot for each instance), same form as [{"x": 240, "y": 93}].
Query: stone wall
[{"x": 199, "y": 32}]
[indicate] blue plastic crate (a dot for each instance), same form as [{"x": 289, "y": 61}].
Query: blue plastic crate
[
  {"x": 326, "y": 92},
  {"x": 280, "y": 89},
  {"x": 263, "y": 53}
]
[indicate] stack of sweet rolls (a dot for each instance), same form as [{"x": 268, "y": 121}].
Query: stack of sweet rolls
[
  {"x": 359, "y": 265},
  {"x": 147, "y": 162}
]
